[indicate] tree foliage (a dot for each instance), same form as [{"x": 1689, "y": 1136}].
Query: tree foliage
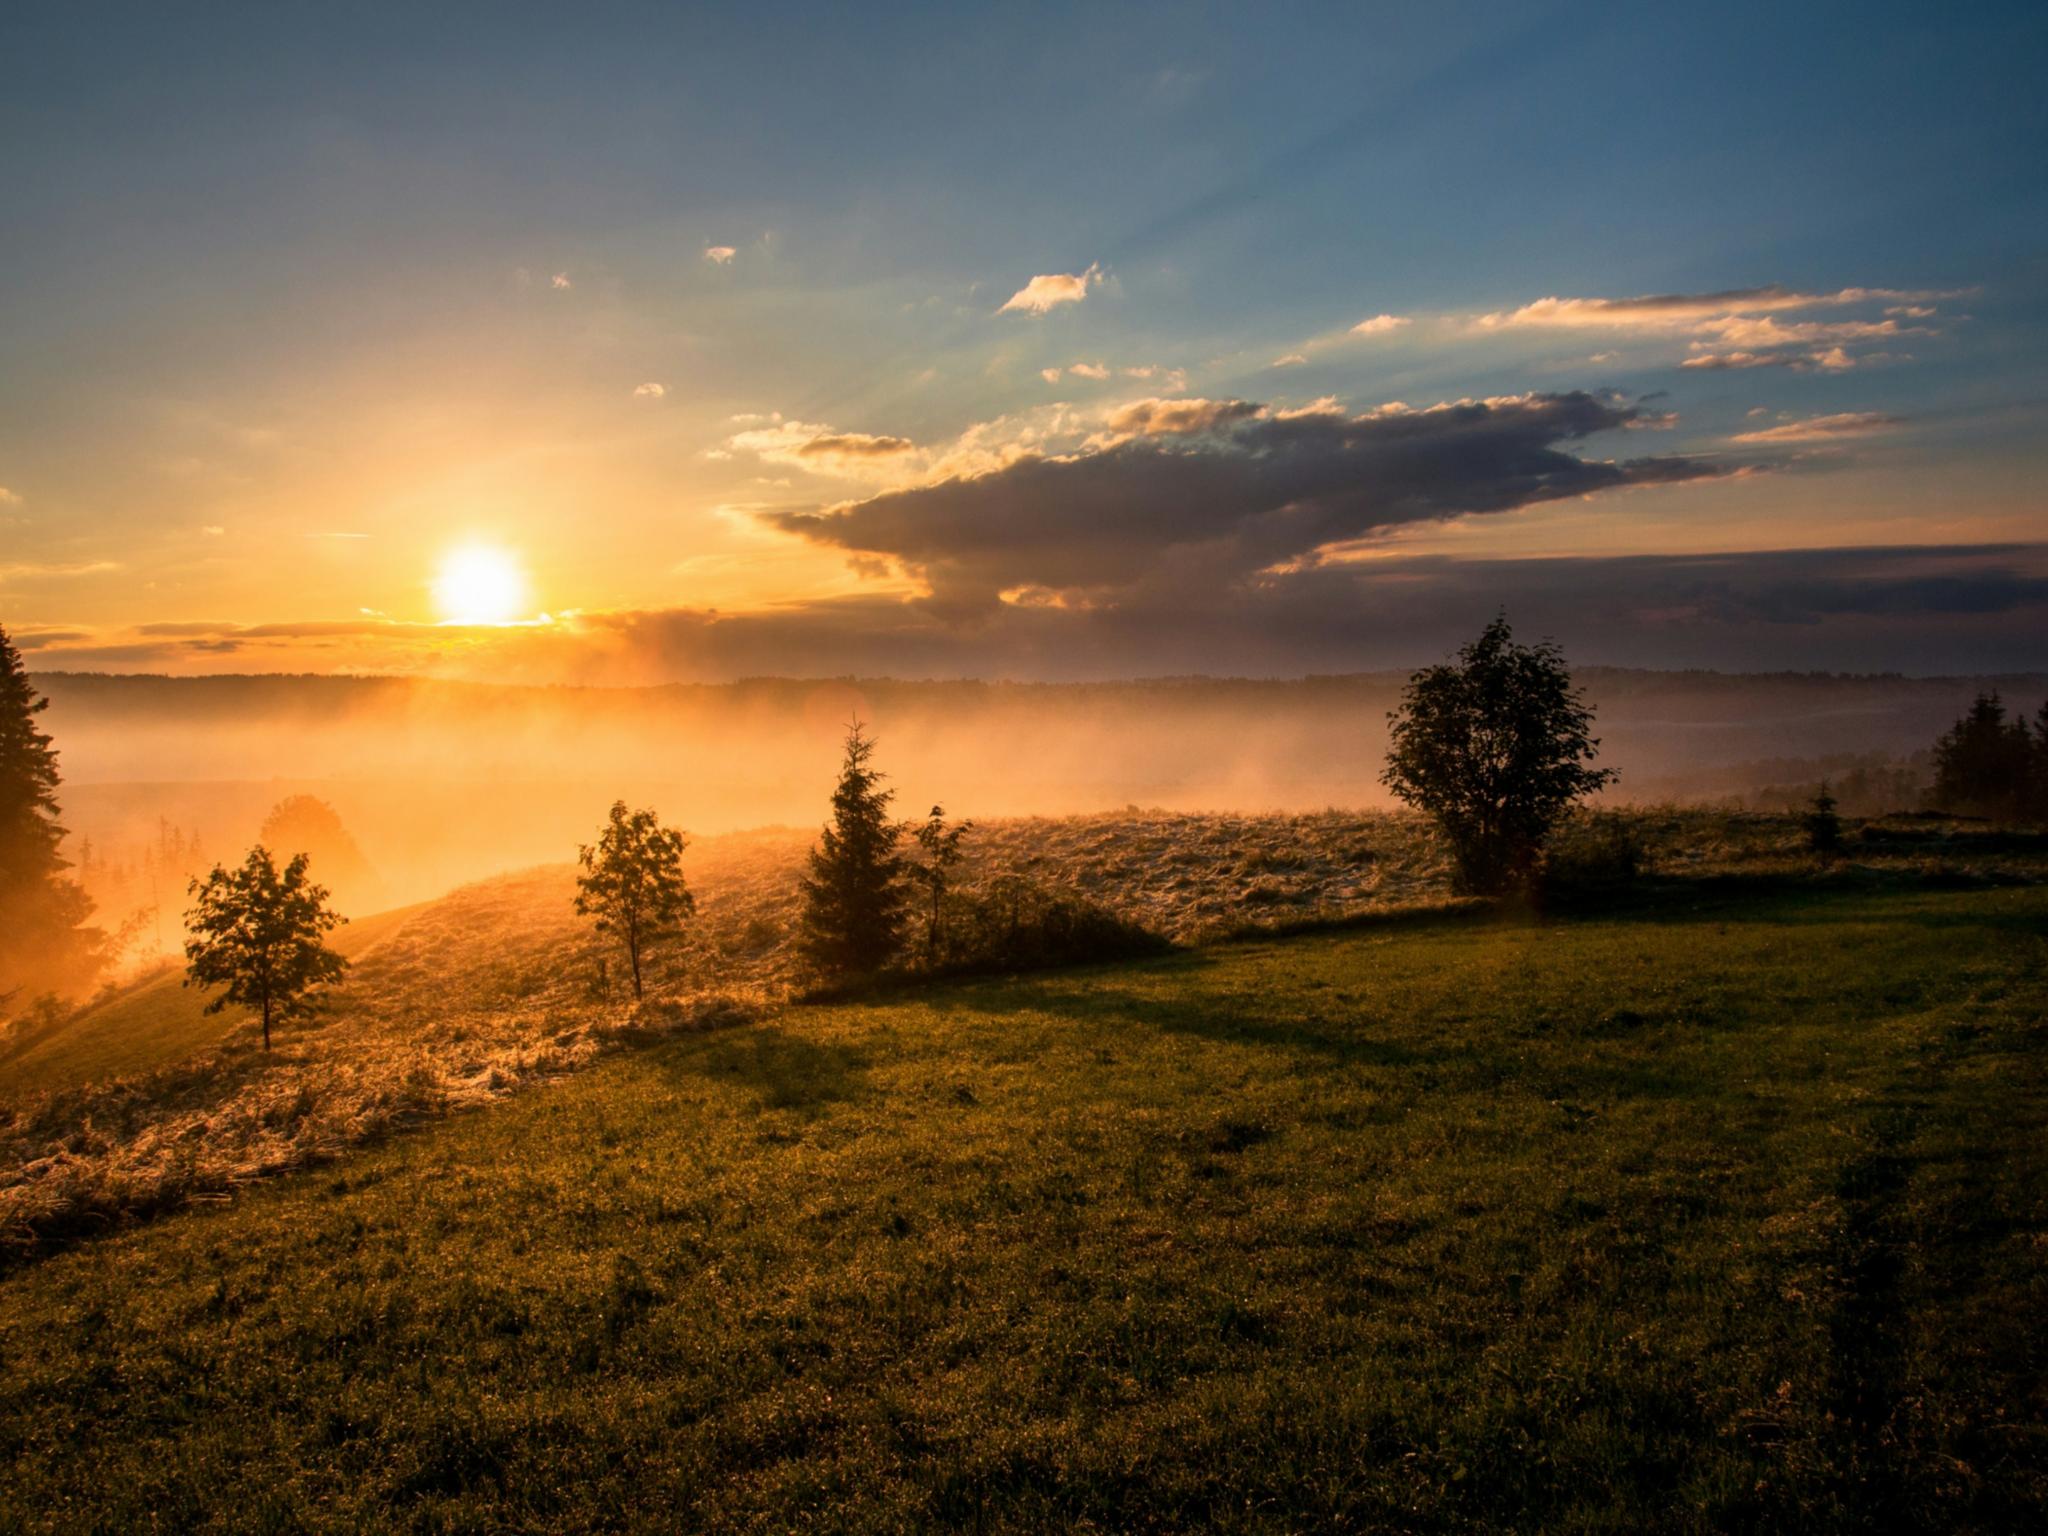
[
  {"x": 632, "y": 884},
  {"x": 1495, "y": 746},
  {"x": 939, "y": 847},
  {"x": 854, "y": 891},
  {"x": 257, "y": 932},
  {"x": 1989, "y": 765},
  {"x": 44, "y": 941},
  {"x": 309, "y": 825}
]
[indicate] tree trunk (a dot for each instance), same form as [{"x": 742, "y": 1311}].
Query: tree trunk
[{"x": 266, "y": 1021}]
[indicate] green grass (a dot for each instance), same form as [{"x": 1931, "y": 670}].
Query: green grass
[
  {"x": 1704, "y": 1218},
  {"x": 152, "y": 1024}
]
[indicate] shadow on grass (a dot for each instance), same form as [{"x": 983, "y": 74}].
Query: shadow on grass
[
  {"x": 785, "y": 1069},
  {"x": 1829, "y": 897},
  {"x": 1090, "y": 1000}
]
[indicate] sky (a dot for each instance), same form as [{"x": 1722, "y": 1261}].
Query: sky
[{"x": 623, "y": 343}]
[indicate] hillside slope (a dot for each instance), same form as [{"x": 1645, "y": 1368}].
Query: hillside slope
[{"x": 1698, "y": 1218}]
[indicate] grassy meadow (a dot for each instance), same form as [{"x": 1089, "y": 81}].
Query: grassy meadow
[{"x": 1722, "y": 1208}]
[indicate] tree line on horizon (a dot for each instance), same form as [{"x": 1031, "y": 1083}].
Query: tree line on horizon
[{"x": 1493, "y": 745}]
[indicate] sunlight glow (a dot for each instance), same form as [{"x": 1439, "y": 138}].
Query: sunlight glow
[{"x": 480, "y": 585}]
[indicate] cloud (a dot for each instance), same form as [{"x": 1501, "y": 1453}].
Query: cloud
[
  {"x": 1088, "y": 371},
  {"x": 1682, "y": 311},
  {"x": 809, "y": 445},
  {"x": 1155, "y": 417},
  {"x": 720, "y": 255},
  {"x": 1193, "y": 495},
  {"x": 1824, "y": 429},
  {"x": 213, "y": 531},
  {"x": 1965, "y": 609},
  {"x": 9, "y": 498},
  {"x": 28, "y": 570},
  {"x": 560, "y": 280},
  {"x": 1379, "y": 325},
  {"x": 1291, "y": 360},
  {"x": 1050, "y": 289},
  {"x": 649, "y": 391},
  {"x": 854, "y": 445},
  {"x": 1050, "y": 375}
]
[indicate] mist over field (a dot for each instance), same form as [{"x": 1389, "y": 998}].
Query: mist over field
[{"x": 443, "y": 782}]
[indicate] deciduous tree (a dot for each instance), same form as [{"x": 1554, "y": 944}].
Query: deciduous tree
[
  {"x": 1495, "y": 745},
  {"x": 257, "y": 932},
  {"x": 940, "y": 846},
  {"x": 632, "y": 884}
]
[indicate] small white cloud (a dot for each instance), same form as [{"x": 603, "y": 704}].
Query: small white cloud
[
  {"x": 1757, "y": 410},
  {"x": 9, "y": 498},
  {"x": 1050, "y": 375},
  {"x": 720, "y": 255},
  {"x": 1379, "y": 325},
  {"x": 1291, "y": 360},
  {"x": 1088, "y": 371},
  {"x": 649, "y": 391},
  {"x": 560, "y": 280},
  {"x": 214, "y": 531},
  {"x": 1051, "y": 289}
]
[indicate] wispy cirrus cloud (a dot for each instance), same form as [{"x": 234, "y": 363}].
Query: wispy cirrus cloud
[
  {"x": 1379, "y": 325},
  {"x": 1825, "y": 429},
  {"x": 31, "y": 570},
  {"x": 1681, "y": 311},
  {"x": 1049, "y": 290},
  {"x": 1739, "y": 328}
]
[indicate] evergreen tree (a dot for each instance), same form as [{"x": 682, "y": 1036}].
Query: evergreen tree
[
  {"x": 854, "y": 893},
  {"x": 44, "y": 942},
  {"x": 257, "y": 931},
  {"x": 1495, "y": 747},
  {"x": 1983, "y": 764},
  {"x": 1823, "y": 826},
  {"x": 632, "y": 883}
]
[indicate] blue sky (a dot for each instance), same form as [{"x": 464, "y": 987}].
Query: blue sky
[{"x": 300, "y": 299}]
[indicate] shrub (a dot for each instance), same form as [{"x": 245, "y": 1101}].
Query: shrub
[
  {"x": 1019, "y": 925},
  {"x": 1592, "y": 854}
]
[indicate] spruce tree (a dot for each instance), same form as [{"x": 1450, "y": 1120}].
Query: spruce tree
[
  {"x": 854, "y": 893},
  {"x": 44, "y": 943}
]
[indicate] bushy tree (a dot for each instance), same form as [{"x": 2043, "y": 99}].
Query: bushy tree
[
  {"x": 939, "y": 845},
  {"x": 45, "y": 942},
  {"x": 1987, "y": 765},
  {"x": 1495, "y": 746},
  {"x": 632, "y": 884},
  {"x": 309, "y": 825},
  {"x": 1823, "y": 826},
  {"x": 854, "y": 892},
  {"x": 257, "y": 931}
]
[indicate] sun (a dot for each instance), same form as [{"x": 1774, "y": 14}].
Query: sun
[{"x": 480, "y": 585}]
